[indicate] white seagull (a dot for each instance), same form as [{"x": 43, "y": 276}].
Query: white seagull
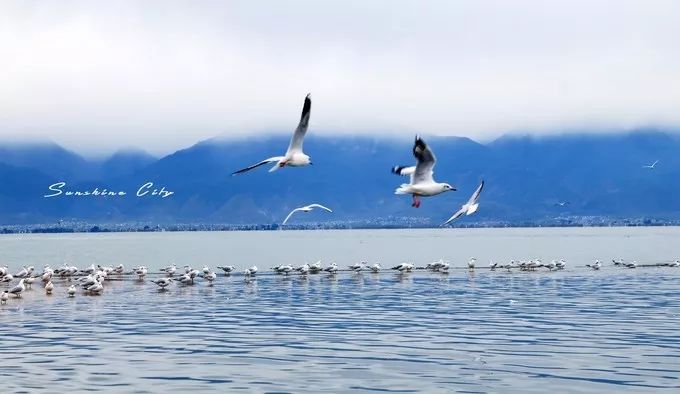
[
  {"x": 71, "y": 291},
  {"x": 162, "y": 282},
  {"x": 422, "y": 182},
  {"x": 4, "y": 297},
  {"x": 49, "y": 287},
  {"x": 469, "y": 207},
  {"x": 228, "y": 269},
  {"x": 596, "y": 265},
  {"x": 306, "y": 208},
  {"x": 652, "y": 166},
  {"x": 250, "y": 271},
  {"x": 294, "y": 156},
  {"x": 333, "y": 268},
  {"x": 376, "y": 267},
  {"x": 18, "y": 289}
]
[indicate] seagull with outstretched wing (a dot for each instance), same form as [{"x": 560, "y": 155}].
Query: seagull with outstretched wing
[
  {"x": 294, "y": 156},
  {"x": 422, "y": 182},
  {"x": 469, "y": 207},
  {"x": 306, "y": 208},
  {"x": 652, "y": 166}
]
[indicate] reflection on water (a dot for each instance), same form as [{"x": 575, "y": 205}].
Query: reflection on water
[{"x": 611, "y": 330}]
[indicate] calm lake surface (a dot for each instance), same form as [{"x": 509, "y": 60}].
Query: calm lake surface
[{"x": 613, "y": 330}]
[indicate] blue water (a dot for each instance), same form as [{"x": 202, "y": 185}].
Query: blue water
[{"x": 573, "y": 330}]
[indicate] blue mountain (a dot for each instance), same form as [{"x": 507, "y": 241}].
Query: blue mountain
[{"x": 526, "y": 177}]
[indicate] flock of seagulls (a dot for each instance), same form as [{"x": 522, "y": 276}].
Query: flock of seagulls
[
  {"x": 91, "y": 280},
  {"x": 422, "y": 183}
]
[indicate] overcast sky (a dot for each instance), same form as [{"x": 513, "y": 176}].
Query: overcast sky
[{"x": 162, "y": 75}]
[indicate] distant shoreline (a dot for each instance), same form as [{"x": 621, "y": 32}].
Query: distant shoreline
[{"x": 147, "y": 228}]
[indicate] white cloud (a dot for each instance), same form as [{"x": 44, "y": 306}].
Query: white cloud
[{"x": 162, "y": 75}]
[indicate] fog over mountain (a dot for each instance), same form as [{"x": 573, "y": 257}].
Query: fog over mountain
[{"x": 526, "y": 177}]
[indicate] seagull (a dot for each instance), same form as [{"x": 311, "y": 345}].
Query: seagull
[
  {"x": 469, "y": 207},
  {"x": 4, "y": 270},
  {"x": 170, "y": 270},
  {"x": 228, "y": 269},
  {"x": 333, "y": 268},
  {"x": 303, "y": 269},
  {"x": 283, "y": 269},
  {"x": 376, "y": 267},
  {"x": 29, "y": 281},
  {"x": 206, "y": 269},
  {"x": 551, "y": 265},
  {"x": 422, "y": 183},
  {"x": 7, "y": 278},
  {"x": 306, "y": 208},
  {"x": 631, "y": 265},
  {"x": 434, "y": 265},
  {"x": 162, "y": 282},
  {"x": 596, "y": 265},
  {"x": 4, "y": 297},
  {"x": 315, "y": 267},
  {"x": 652, "y": 166},
  {"x": 471, "y": 263},
  {"x": 22, "y": 274},
  {"x": 210, "y": 277},
  {"x": 294, "y": 156},
  {"x": 443, "y": 268},
  {"x": 618, "y": 262},
  {"x": 49, "y": 287},
  {"x": 95, "y": 288},
  {"x": 71, "y": 291},
  {"x": 356, "y": 267},
  {"x": 18, "y": 289},
  {"x": 560, "y": 265},
  {"x": 493, "y": 265},
  {"x": 562, "y": 203},
  {"x": 407, "y": 267},
  {"x": 250, "y": 271},
  {"x": 676, "y": 263},
  {"x": 141, "y": 272}
]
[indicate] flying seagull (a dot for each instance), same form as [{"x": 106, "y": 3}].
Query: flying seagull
[
  {"x": 561, "y": 203},
  {"x": 651, "y": 167},
  {"x": 469, "y": 207},
  {"x": 422, "y": 183},
  {"x": 306, "y": 208},
  {"x": 294, "y": 156}
]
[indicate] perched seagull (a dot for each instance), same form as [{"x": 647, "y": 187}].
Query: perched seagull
[
  {"x": 471, "y": 263},
  {"x": 560, "y": 265},
  {"x": 596, "y": 265},
  {"x": 22, "y": 274},
  {"x": 631, "y": 265},
  {"x": 4, "y": 270},
  {"x": 303, "y": 269},
  {"x": 651, "y": 167},
  {"x": 676, "y": 263},
  {"x": 469, "y": 207},
  {"x": 404, "y": 267},
  {"x": 7, "y": 278},
  {"x": 356, "y": 267},
  {"x": 228, "y": 269},
  {"x": 618, "y": 262},
  {"x": 141, "y": 272},
  {"x": 4, "y": 297},
  {"x": 294, "y": 156},
  {"x": 96, "y": 288},
  {"x": 210, "y": 277},
  {"x": 170, "y": 270},
  {"x": 444, "y": 268},
  {"x": 306, "y": 208},
  {"x": 315, "y": 267},
  {"x": 551, "y": 265},
  {"x": 71, "y": 291},
  {"x": 283, "y": 269},
  {"x": 422, "y": 183},
  {"x": 206, "y": 269},
  {"x": 49, "y": 287},
  {"x": 250, "y": 271},
  {"x": 119, "y": 269},
  {"x": 18, "y": 289},
  {"x": 29, "y": 281},
  {"x": 333, "y": 268},
  {"x": 492, "y": 265},
  {"x": 162, "y": 282},
  {"x": 376, "y": 267}
]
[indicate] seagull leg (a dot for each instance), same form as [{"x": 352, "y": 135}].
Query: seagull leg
[
  {"x": 282, "y": 163},
  {"x": 413, "y": 204}
]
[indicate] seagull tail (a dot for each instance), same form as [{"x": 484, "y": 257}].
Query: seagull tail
[{"x": 275, "y": 167}]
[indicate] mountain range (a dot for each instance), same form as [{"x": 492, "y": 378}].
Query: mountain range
[{"x": 528, "y": 178}]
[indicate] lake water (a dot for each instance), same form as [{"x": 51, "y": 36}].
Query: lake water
[{"x": 574, "y": 330}]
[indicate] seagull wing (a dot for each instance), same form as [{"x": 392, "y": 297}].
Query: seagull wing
[
  {"x": 290, "y": 214},
  {"x": 319, "y": 206},
  {"x": 403, "y": 170},
  {"x": 475, "y": 196},
  {"x": 299, "y": 135},
  {"x": 455, "y": 216},
  {"x": 426, "y": 161},
  {"x": 263, "y": 162}
]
